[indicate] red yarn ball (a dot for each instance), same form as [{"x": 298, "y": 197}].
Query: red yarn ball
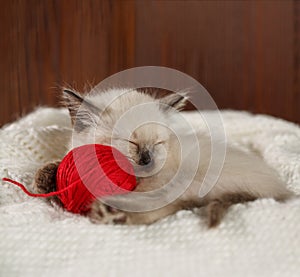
[{"x": 91, "y": 171}]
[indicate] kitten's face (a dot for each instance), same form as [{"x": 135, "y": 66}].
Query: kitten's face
[
  {"x": 133, "y": 122},
  {"x": 146, "y": 147}
]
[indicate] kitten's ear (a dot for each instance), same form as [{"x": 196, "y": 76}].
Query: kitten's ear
[
  {"x": 174, "y": 100},
  {"x": 83, "y": 114}
]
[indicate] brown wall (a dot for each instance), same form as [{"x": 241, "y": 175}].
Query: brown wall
[{"x": 246, "y": 53}]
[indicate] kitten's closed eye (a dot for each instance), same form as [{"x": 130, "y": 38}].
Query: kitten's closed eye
[
  {"x": 134, "y": 143},
  {"x": 160, "y": 142}
]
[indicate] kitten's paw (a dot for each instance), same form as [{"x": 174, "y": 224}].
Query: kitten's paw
[
  {"x": 104, "y": 214},
  {"x": 217, "y": 208},
  {"x": 45, "y": 178},
  {"x": 215, "y": 211}
]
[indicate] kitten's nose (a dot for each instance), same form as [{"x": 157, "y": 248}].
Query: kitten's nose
[{"x": 145, "y": 158}]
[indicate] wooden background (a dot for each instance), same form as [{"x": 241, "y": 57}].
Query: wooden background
[{"x": 246, "y": 53}]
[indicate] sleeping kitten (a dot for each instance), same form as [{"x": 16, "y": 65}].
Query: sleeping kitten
[{"x": 139, "y": 125}]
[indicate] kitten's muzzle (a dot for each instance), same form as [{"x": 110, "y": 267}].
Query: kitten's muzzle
[{"x": 145, "y": 157}]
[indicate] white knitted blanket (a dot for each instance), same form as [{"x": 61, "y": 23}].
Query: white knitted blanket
[{"x": 261, "y": 238}]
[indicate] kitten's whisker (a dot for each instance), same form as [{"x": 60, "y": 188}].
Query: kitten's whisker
[{"x": 130, "y": 159}]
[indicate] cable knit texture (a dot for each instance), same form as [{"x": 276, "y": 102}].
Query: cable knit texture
[{"x": 255, "y": 239}]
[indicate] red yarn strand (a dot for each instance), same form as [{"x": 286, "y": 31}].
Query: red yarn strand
[{"x": 33, "y": 194}]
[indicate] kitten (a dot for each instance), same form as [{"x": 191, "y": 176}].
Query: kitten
[{"x": 139, "y": 125}]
